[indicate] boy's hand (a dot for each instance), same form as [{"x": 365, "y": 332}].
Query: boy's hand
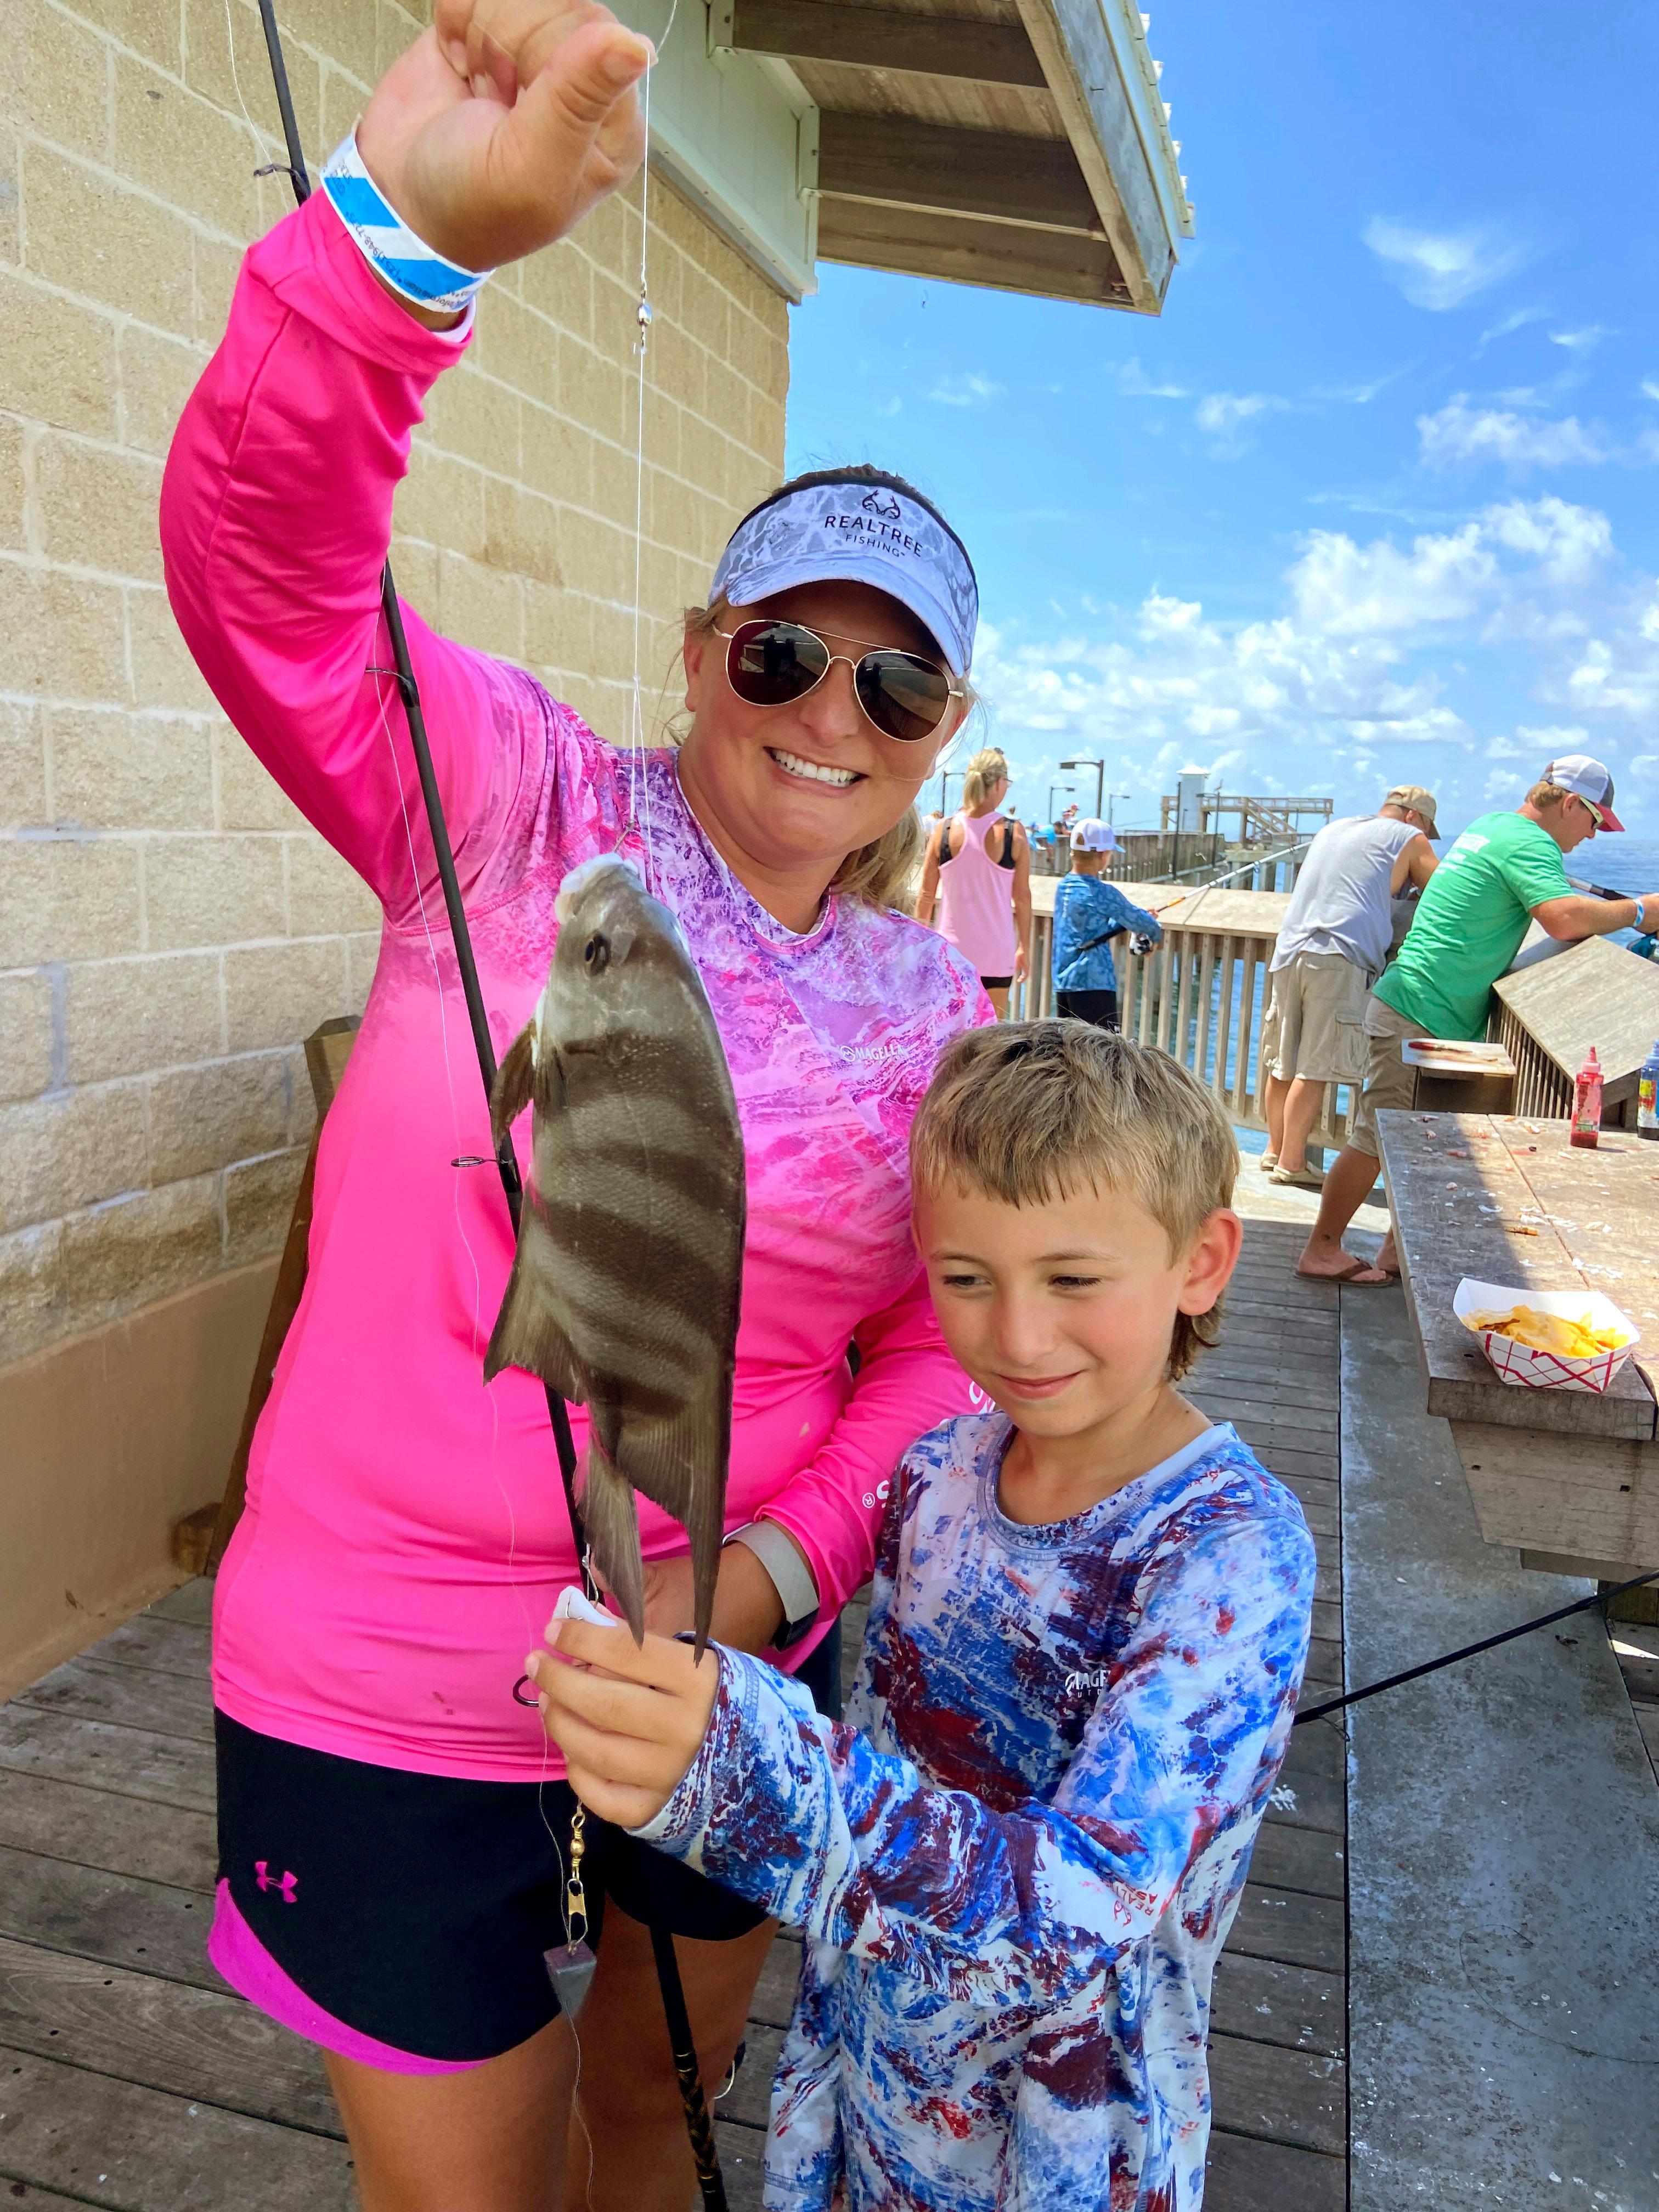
[
  {"x": 629, "y": 1718},
  {"x": 505, "y": 123}
]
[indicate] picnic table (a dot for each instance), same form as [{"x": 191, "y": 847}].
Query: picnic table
[{"x": 1569, "y": 1478}]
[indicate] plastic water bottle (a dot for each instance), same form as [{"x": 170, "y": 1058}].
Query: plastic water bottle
[
  {"x": 1647, "y": 1098},
  {"x": 1586, "y": 1103}
]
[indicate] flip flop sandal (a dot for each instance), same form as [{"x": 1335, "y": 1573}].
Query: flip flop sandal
[{"x": 1350, "y": 1274}]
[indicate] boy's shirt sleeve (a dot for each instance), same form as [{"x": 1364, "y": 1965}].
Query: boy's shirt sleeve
[
  {"x": 1533, "y": 869},
  {"x": 1027, "y": 1907}
]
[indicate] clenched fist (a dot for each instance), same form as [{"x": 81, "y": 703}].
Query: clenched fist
[{"x": 504, "y": 123}]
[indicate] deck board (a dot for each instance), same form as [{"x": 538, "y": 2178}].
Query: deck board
[{"x": 137, "y": 2081}]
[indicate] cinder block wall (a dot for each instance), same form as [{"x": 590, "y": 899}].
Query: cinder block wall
[{"x": 170, "y": 928}]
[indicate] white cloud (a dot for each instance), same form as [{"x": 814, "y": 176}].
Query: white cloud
[
  {"x": 1650, "y": 388},
  {"x": 1460, "y": 431},
  {"x": 1541, "y": 744},
  {"x": 1515, "y": 321},
  {"x": 1133, "y": 383},
  {"x": 1357, "y": 395},
  {"x": 1584, "y": 341},
  {"x": 1220, "y": 413},
  {"x": 1347, "y": 590},
  {"x": 971, "y": 390},
  {"x": 1440, "y": 270}
]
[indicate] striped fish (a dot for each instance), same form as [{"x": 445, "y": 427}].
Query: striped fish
[{"x": 625, "y": 1286}]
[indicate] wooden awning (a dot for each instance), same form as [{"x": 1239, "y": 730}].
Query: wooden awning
[{"x": 1018, "y": 143}]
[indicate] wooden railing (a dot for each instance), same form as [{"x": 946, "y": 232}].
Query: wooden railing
[{"x": 1199, "y": 995}]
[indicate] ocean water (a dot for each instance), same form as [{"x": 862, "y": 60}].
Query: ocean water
[{"x": 1630, "y": 864}]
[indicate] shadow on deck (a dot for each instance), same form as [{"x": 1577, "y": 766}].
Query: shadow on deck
[{"x": 131, "y": 2078}]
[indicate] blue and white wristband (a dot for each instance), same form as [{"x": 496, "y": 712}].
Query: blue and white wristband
[{"x": 407, "y": 264}]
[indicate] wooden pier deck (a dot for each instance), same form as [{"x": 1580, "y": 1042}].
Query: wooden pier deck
[{"x": 131, "y": 2079}]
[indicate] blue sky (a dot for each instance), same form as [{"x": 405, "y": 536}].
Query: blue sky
[{"x": 1374, "y": 499}]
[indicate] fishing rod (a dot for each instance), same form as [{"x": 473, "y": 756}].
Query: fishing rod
[{"x": 681, "y": 2047}]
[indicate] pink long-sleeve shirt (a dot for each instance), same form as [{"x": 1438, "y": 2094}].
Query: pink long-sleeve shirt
[{"x": 405, "y": 1531}]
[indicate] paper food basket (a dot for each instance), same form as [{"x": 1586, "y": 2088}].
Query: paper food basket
[{"x": 1545, "y": 1371}]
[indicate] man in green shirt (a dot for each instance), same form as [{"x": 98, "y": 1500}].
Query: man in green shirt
[{"x": 1505, "y": 872}]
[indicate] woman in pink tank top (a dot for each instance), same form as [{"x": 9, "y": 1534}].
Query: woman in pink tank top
[{"x": 978, "y": 869}]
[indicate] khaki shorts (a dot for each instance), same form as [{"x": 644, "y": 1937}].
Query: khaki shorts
[
  {"x": 1314, "y": 1022},
  {"x": 1389, "y": 1082}
]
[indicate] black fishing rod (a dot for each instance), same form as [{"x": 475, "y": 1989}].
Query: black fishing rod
[
  {"x": 681, "y": 2047},
  {"x": 1468, "y": 1650}
]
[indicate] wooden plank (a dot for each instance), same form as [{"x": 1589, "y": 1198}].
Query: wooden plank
[
  {"x": 750, "y": 2095},
  {"x": 1062, "y": 264},
  {"x": 1297, "y": 2097},
  {"x": 1305, "y": 1797},
  {"x": 1263, "y": 2000},
  {"x": 929, "y": 167},
  {"x": 191, "y": 1602},
  {"x": 1247, "y": 2176},
  {"x": 130, "y": 1762},
  {"x": 134, "y": 2149},
  {"x": 877, "y": 38},
  {"x": 1287, "y": 1858},
  {"x": 150, "y": 1927},
  {"x": 1592, "y": 993},
  {"x": 1450, "y": 1215},
  {"x": 149, "y": 1639},
  {"x": 773, "y": 2001},
  {"x": 1288, "y": 1925},
  {"x": 43, "y": 2200},
  {"x": 133, "y": 1697},
  {"x": 93, "y": 1828},
  {"x": 743, "y": 2154},
  {"x": 204, "y": 2045},
  {"x": 1595, "y": 1498}
]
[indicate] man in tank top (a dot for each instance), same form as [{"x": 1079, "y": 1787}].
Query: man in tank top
[{"x": 1332, "y": 946}]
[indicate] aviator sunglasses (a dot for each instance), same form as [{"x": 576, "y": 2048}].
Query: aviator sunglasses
[{"x": 773, "y": 664}]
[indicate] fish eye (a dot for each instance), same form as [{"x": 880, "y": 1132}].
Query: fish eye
[{"x": 597, "y": 953}]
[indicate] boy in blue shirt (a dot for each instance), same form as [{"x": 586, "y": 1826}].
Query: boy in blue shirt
[
  {"x": 1016, "y": 1863},
  {"x": 1088, "y": 912}
]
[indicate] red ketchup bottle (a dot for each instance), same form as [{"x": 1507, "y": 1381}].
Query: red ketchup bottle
[{"x": 1587, "y": 1102}]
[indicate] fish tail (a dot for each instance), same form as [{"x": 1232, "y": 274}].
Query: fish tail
[
  {"x": 611, "y": 1522},
  {"x": 706, "y": 1529}
]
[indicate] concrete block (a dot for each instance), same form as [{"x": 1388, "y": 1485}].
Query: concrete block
[
  {"x": 25, "y": 1034},
  {"x": 203, "y": 1118},
  {"x": 97, "y": 506},
  {"x": 71, "y": 1150},
  {"x": 212, "y": 891},
  {"x": 326, "y": 896},
  {"x": 31, "y": 1289},
  {"x": 214, "y": 265},
  {"x": 68, "y": 898},
  {"x": 11, "y": 202},
  {"x": 154, "y": 117},
  {"x": 132, "y": 1250},
  {"x": 558, "y": 456},
  {"x": 112, "y": 770},
  {"x": 558, "y": 283},
  {"x": 247, "y": 797},
  {"x": 163, "y": 673},
  {"x": 157, "y": 375},
  {"x": 130, "y": 1016},
  {"x": 208, "y": 70},
  {"x": 441, "y": 500},
  {"x": 518, "y": 347},
  {"x": 59, "y": 359},
  {"x": 277, "y": 993},
  {"x": 396, "y": 29},
  {"x": 481, "y": 607},
  {"x": 22, "y": 766},
  {"x": 521, "y": 532},
  {"x": 61, "y": 637},
  {"x": 344, "y": 34},
  {"x": 362, "y": 958},
  {"x": 469, "y": 415},
  {"x": 107, "y": 243},
  {"x": 54, "y": 74},
  {"x": 259, "y": 1204},
  {"x": 558, "y": 629}
]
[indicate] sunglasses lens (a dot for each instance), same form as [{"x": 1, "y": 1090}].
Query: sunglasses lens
[
  {"x": 769, "y": 664},
  {"x": 904, "y": 696}
]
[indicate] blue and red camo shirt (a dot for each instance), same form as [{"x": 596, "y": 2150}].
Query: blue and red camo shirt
[{"x": 1016, "y": 1862}]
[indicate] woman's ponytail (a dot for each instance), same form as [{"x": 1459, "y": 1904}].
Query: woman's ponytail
[{"x": 984, "y": 773}]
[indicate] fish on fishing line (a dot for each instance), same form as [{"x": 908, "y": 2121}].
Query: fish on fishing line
[{"x": 625, "y": 1287}]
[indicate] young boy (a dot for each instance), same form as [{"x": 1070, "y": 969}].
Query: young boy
[
  {"x": 1089, "y": 913},
  {"x": 1016, "y": 1863}
]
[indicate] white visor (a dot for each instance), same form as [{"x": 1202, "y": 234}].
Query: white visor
[{"x": 862, "y": 534}]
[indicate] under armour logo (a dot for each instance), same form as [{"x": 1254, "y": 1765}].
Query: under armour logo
[
  {"x": 287, "y": 1883},
  {"x": 871, "y": 504}
]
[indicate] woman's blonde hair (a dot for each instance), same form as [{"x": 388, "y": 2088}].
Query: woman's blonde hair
[
  {"x": 1030, "y": 1111},
  {"x": 987, "y": 769}
]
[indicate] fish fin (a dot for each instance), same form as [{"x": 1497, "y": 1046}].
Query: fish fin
[
  {"x": 682, "y": 1466},
  {"x": 528, "y": 1334},
  {"x": 611, "y": 1522},
  {"x": 510, "y": 1093}
]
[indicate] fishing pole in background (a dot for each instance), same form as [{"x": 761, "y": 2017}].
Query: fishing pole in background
[
  {"x": 1646, "y": 946},
  {"x": 682, "y": 2049}
]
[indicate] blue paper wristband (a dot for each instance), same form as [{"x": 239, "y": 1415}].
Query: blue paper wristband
[{"x": 408, "y": 264}]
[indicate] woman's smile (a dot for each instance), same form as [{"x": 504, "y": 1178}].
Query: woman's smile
[{"x": 810, "y": 771}]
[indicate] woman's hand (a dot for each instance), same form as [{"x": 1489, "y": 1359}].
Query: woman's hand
[
  {"x": 505, "y": 123},
  {"x": 629, "y": 1718},
  {"x": 1022, "y": 964},
  {"x": 748, "y": 1611}
]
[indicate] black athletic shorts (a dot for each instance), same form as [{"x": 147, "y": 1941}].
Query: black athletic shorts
[
  {"x": 1097, "y": 1008},
  {"x": 401, "y": 1919},
  {"x": 995, "y": 982}
]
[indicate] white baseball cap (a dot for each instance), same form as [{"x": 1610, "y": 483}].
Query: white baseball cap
[
  {"x": 1588, "y": 780},
  {"x": 853, "y": 531},
  {"x": 1092, "y": 835}
]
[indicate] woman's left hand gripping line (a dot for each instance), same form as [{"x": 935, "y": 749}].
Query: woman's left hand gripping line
[{"x": 629, "y": 1718}]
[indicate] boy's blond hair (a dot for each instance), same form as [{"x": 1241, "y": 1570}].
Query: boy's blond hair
[{"x": 1029, "y": 1111}]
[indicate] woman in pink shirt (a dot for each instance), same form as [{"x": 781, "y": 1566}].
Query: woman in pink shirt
[
  {"x": 392, "y": 1826},
  {"x": 978, "y": 868}
]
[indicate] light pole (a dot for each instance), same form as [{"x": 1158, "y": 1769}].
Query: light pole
[
  {"x": 1099, "y": 768},
  {"x": 1112, "y": 798},
  {"x": 1053, "y": 789},
  {"x": 944, "y": 786}
]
